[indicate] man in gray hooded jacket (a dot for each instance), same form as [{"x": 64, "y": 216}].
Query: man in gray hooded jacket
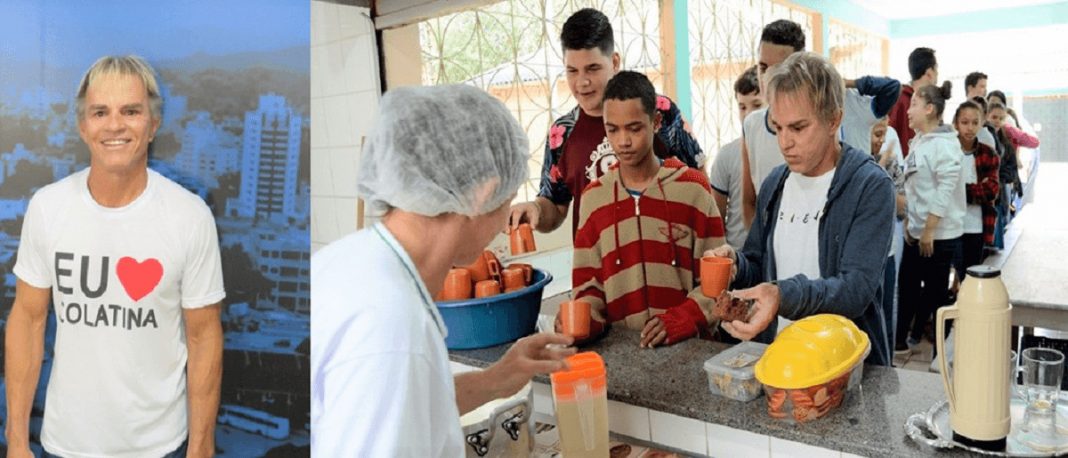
[{"x": 824, "y": 219}]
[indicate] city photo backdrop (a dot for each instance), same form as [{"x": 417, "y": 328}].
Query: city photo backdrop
[{"x": 235, "y": 131}]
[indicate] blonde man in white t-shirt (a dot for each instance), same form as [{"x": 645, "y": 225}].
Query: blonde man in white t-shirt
[
  {"x": 824, "y": 218},
  {"x": 131, "y": 262}
]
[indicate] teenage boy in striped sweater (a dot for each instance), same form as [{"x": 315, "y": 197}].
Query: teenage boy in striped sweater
[
  {"x": 577, "y": 150},
  {"x": 643, "y": 227}
]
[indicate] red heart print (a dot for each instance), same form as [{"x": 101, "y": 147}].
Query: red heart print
[{"x": 139, "y": 278}]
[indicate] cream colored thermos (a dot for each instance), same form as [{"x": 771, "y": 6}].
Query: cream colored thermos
[{"x": 978, "y": 392}]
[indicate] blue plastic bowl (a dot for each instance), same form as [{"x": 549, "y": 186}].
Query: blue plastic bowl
[{"x": 489, "y": 321}]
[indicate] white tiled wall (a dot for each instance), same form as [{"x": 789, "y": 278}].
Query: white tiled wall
[
  {"x": 726, "y": 442},
  {"x": 543, "y": 399},
  {"x": 344, "y": 97},
  {"x": 679, "y": 432},
  {"x": 781, "y": 448},
  {"x": 629, "y": 420},
  {"x": 558, "y": 263}
]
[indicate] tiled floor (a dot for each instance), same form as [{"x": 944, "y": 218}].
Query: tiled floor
[
  {"x": 918, "y": 360},
  {"x": 921, "y": 356}
]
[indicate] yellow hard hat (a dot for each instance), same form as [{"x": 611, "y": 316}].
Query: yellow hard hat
[{"x": 812, "y": 351}]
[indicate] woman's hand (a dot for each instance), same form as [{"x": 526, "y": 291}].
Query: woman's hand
[{"x": 927, "y": 244}]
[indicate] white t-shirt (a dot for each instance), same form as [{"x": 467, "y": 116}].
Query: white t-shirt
[
  {"x": 762, "y": 146},
  {"x": 892, "y": 141},
  {"x": 797, "y": 230},
  {"x": 985, "y": 137},
  {"x": 380, "y": 378},
  {"x": 120, "y": 278},
  {"x": 857, "y": 120},
  {"x": 726, "y": 175},
  {"x": 896, "y": 169},
  {"x": 973, "y": 215}
]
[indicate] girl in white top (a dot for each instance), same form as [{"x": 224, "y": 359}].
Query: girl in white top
[
  {"x": 979, "y": 170},
  {"x": 934, "y": 218}
]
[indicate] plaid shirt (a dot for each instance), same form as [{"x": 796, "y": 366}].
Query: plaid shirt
[{"x": 985, "y": 191}]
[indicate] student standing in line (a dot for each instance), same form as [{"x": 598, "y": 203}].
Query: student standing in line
[
  {"x": 577, "y": 150},
  {"x": 979, "y": 168},
  {"x": 975, "y": 85},
  {"x": 923, "y": 69},
  {"x": 643, "y": 228},
  {"x": 867, "y": 99},
  {"x": 726, "y": 174},
  {"x": 934, "y": 219}
]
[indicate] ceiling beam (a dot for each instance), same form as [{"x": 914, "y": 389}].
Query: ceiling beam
[
  {"x": 389, "y": 14},
  {"x": 360, "y": 3}
]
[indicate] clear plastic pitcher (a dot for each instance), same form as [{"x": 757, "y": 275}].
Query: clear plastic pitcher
[{"x": 581, "y": 401}]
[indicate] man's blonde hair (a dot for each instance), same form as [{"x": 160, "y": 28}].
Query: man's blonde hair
[
  {"x": 811, "y": 74},
  {"x": 122, "y": 65}
]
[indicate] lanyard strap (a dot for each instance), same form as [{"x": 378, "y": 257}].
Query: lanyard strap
[{"x": 423, "y": 295}]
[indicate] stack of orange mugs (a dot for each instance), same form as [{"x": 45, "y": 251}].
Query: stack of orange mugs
[{"x": 484, "y": 278}]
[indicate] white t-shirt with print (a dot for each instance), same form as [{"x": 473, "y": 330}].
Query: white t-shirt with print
[
  {"x": 797, "y": 229},
  {"x": 120, "y": 278},
  {"x": 380, "y": 376},
  {"x": 973, "y": 214},
  {"x": 891, "y": 141}
]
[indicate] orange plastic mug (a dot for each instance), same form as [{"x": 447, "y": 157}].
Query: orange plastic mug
[
  {"x": 485, "y": 267},
  {"x": 487, "y": 288},
  {"x": 575, "y": 318},
  {"x": 457, "y": 285},
  {"x": 522, "y": 239},
  {"x": 528, "y": 272},
  {"x": 493, "y": 266},
  {"x": 715, "y": 275},
  {"x": 513, "y": 278}
]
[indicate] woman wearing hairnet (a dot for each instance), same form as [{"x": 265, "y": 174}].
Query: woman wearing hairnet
[{"x": 443, "y": 164}]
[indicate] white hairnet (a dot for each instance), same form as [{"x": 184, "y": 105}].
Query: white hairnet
[{"x": 442, "y": 149}]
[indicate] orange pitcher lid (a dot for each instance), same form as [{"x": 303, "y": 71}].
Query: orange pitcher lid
[{"x": 585, "y": 367}]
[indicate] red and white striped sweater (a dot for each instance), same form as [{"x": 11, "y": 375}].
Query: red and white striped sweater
[{"x": 638, "y": 259}]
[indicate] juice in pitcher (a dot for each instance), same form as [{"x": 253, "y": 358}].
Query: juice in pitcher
[{"x": 581, "y": 401}]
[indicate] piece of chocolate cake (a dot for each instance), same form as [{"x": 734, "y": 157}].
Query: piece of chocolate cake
[{"x": 730, "y": 308}]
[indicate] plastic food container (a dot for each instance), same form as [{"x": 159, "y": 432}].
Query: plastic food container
[
  {"x": 489, "y": 321},
  {"x": 730, "y": 373},
  {"x": 811, "y": 365}
]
